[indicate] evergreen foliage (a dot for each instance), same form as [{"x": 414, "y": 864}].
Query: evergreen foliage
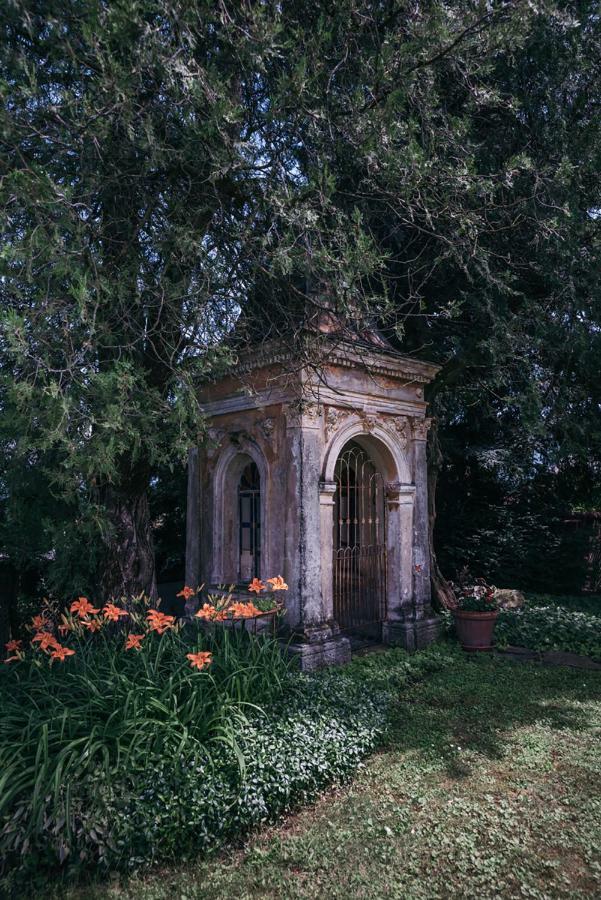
[{"x": 169, "y": 168}]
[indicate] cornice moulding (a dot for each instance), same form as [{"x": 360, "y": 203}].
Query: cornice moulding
[{"x": 347, "y": 355}]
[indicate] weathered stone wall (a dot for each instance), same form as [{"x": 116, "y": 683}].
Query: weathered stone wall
[{"x": 294, "y": 427}]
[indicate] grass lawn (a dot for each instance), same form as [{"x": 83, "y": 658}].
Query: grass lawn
[{"x": 490, "y": 786}]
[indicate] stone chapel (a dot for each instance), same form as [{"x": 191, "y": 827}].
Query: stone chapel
[{"x": 318, "y": 474}]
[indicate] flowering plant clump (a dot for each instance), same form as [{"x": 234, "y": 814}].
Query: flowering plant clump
[
  {"x": 136, "y": 620},
  {"x": 84, "y": 620},
  {"x": 223, "y": 608},
  {"x": 478, "y": 597}
]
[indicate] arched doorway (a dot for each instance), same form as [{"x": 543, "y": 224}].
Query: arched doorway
[{"x": 359, "y": 543}]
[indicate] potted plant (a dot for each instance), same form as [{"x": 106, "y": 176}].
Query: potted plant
[{"x": 475, "y": 615}]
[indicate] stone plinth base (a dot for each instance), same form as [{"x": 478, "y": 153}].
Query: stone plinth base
[
  {"x": 317, "y": 654},
  {"x": 412, "y": 635}
]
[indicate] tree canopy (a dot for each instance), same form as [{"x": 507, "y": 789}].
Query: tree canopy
[{"x": 167, "y": 169}]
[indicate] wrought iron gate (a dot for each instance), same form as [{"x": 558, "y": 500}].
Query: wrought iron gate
[{"x": 359, "y": 563}]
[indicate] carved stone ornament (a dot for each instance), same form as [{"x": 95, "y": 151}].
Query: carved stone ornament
[
  {"x": 303, "y": 415},
  {"x": 369, "y": 421},
  {"x": 239, "y": 437},
  {"x": 214, "y": 437},
  {"x": 334, "y": 419},
  {"x": 267, "y": 427},
  {"x": 401, "y": 428},
  {"x": 311, "y": 412},
  {"x": 393, "y": 491},
  {"x": 421, "y": 428}
]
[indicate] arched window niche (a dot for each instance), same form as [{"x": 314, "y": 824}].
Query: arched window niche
[
  {"x": 239, "y": 517},
  {"x": 249, "y": 523}
]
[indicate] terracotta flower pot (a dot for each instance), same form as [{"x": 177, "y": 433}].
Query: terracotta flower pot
[{"x": 474, "y": 629}]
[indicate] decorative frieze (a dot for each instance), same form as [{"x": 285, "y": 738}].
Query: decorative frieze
[{"x": 345, "y": 355}]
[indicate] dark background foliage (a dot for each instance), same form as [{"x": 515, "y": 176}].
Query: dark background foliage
[{"x": 169, "y": 168}]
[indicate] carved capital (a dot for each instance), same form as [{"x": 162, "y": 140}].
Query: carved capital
[
  {"x": 420, "y": 429},
  {"x": 399, "y": 494},
  {"x": 327, "y": 490}
]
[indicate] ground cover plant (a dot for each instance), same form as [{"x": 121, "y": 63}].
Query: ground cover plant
[
  {"x": 168, "y": 746},
  {"x": 571, "y": 624},
  {"x": 587, "y": 603},
  {"x": 550, "y": 628},
  {"x": 487, "y": 787}
]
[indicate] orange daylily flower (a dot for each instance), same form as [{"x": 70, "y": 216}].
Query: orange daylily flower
[
  {"x": 277, "y": 583},
  {"x": 256, "y": 585},
  {"x": 92, "y": 624},
  {"x": 134, "y": 641},
  {"x": 83, "y": 607},
  {"x": 61, "y": 653},
  {"x": 39, "y": 622},
  {"x": 159, "y": 622},
  {"x": 186, "y": 593},
  {"x": 14, "y": 646},
  {"x": 199, "y": 660},
  {"x": 244, "y": 610},
  {"x": 113, "y": 613},
  {"x": 211, "y": 613},
  {"x": 45, "y": 640}
]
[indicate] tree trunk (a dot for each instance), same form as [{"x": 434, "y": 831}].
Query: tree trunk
[
  {"x": 442, "y": 592},
  {"x": 130, "y": 568}
]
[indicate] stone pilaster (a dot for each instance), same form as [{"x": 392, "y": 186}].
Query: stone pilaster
[
  {"x": 426, "y": 624},
  {"x": 327, "y": 490},
  {"x": 421, "y": 544},
  {"x": 399, "y": 624},
  {"x": 316, "y": 640},
  {"x": 304, "y": 434}
]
